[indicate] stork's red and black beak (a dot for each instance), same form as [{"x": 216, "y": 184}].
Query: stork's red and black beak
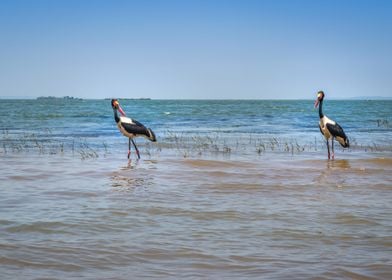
[
  {"x": 116, "y": 105},
  {"x": 316, "y": 103}
]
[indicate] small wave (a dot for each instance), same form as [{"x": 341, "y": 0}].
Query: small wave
[
  {"x": 36, "y": 264},
  {"x": 39, "y": 227},
  {"x": 349, "y": 219},
  {"x": 202, "y": 163}
]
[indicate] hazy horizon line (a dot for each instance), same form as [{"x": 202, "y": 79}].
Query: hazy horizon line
[{"x": 148, "y": 98}]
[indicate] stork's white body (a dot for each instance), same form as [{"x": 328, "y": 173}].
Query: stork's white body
[
  {"x": 324, "y": 121},
  {"x": 323, "y": 126},
  {"x": 125, "y": 120}
]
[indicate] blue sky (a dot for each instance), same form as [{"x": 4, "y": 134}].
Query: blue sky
[{"x": 195, "y": 49}]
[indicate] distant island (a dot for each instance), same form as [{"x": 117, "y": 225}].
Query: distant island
[{"x": 55, "y": 98}]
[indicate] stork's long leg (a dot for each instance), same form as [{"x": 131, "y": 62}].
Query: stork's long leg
[
  {"x": 129, "y": 147},
  {"x": 329, "y": 154},
  {"x": 333, "y": 150},
  {"x": 137, "y": 150}
]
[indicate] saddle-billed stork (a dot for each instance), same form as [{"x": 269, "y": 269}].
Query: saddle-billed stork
[
  {"x": 130, "y": 128},
  {"x": 329, "y": 128}
]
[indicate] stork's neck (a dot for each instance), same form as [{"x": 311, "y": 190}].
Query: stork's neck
[
  {"x": 116, "y": 118},
  {"x": 321, "y": 114}
]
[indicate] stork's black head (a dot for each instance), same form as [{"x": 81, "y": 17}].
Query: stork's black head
[
  {"x": 320, "y": 97},
  {"x": 116, "y": 106}
]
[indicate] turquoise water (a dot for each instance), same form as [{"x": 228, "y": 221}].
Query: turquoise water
[
  {"x": 234, "y": 189},
  {"x": 71, "y": 123}
]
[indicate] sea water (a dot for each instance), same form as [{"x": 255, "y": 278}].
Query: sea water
[{"x": 237, "y": 189}]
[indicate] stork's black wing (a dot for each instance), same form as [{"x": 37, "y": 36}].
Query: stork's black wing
[
  {"x": 135, "y": 128},
  {"x": 338, "y": 133},
  {"x": 336, "y": 130}
]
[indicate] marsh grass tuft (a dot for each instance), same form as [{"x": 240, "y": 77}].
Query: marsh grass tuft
[
  {"x": 383, "y": 123},
  {"x": 214, "y": 143},
  {"x": 183, "y": 144},
  {"x": 45, "y": 143},
  {"x": 219, "y": 143},
  {"x": 86, "y": 152}
]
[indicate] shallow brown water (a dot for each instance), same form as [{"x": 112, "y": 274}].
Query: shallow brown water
[{"x": 269, "y": 217}]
